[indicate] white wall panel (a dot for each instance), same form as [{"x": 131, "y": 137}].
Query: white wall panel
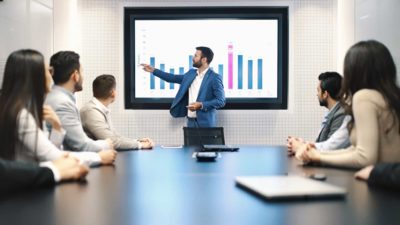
[
  {"x": 379, "y": 20},
  {"x": 25, "y": 24},
  {"x": 312, "y": 50}
]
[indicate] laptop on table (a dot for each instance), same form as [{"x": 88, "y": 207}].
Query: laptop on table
[{"x": 289, "y": 187}]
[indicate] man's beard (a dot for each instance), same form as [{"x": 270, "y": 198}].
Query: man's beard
[
  {"x": 323, "y": 102},
  {"x": 78, "y": 86},
  {"x": 197, "y": 64}
]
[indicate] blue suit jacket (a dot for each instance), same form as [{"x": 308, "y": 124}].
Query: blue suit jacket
[{"x": 211, "y": 94}]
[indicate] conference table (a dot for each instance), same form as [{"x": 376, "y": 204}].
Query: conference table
[{"x": 169, "y": 186}]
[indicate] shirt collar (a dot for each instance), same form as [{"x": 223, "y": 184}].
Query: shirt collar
[
  {"x": 333, "y": 107},
  {"x": 65, "y": 91},
  {"x": 201, "y": 75},
  {"x": 100, "y": 106},
  {"x": 327, "y": 114}
]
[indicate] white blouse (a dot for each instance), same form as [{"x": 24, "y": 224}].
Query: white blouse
[{"x": 36, "y": 146}]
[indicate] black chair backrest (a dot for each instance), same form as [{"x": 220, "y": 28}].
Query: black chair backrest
[{"x": 203, "y": 136}]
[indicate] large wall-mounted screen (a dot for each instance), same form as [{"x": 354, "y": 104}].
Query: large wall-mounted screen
[{"x": 249, "y": 45}]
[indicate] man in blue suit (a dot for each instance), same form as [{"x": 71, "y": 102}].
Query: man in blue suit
[{"x": 201, "y": 91}]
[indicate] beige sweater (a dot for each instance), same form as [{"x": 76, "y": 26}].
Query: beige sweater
[
  {"x": 375, "y": 136},
  {"x": 97, "y": 125}
]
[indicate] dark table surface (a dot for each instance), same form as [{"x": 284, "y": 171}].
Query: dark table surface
[{"x": 168, "y": 186}]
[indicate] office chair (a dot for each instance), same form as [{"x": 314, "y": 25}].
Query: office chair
[{"x": 203, "y": 136}]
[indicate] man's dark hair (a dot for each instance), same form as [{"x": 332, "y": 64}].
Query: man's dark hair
[
  {"x": 331, "y": 82},
  {"x": 103, "y": 86},
  {"x": 64, "y": 63},
  {"x": 206, "y": 52}
]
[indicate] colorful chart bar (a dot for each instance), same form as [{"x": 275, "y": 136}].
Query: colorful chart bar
[
  {"x": 240, "y": 71},
  {"x": 171, "y": 85},
  {"x": 259, "y": 83},
  {"x": 230, "y": 66},
  {"x": 250, "y": 74},
  {"x": 162, "y": 83},
  {"x": 152, "y": 77}
]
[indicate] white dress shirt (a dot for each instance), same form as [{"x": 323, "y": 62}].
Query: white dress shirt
[
  {"x": 56, "y": 172},
  {"x": 194, "y": 91},
  {"x": 56, "y": 137}
]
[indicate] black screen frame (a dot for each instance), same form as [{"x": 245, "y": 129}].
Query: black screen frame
[{"x": 143, "y": 13}]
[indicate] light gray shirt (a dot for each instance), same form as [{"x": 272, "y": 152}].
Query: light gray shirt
[{"x": 63, "y": 103}]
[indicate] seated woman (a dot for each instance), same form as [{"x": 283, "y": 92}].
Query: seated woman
[
  {"x": 25, "y": 83},
  {"x": 369, "y": 88}
]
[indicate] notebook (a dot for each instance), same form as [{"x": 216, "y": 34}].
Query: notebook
[
  {"x": 289, "y": 187},
  {"x": 220, "y": 148}
]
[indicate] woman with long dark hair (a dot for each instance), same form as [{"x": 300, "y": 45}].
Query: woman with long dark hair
[
  {"x": 369, "y": 90},
  {"x": 25, "y": 83}
]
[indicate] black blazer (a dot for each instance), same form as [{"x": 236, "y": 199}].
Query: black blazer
[
  {"x": 385, "y": 175},
  {"x": 16, "y": 176}
]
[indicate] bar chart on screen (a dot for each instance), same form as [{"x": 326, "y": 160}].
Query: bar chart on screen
[{"x": 244, "y": 55}]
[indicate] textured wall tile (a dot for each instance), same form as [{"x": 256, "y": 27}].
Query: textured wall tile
[{"x": 313, "y": 49}]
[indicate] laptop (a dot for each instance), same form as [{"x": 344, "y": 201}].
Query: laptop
[
  {"x": 220, "y": 148},
  {"x": 289, "y": 187}
]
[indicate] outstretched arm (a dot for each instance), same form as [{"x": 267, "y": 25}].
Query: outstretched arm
[
  {"x": 147, "y": 68},
  {"x": 169, "y": 77}
]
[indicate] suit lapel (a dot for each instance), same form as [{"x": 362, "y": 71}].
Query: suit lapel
[
  {"x": 190, "y": 80},
  {"x": 332, "y": 112},
  {"x": 328, "y": 120},
  {"x": 184, "y": 88},
  {"x": 203, "y": 83}
]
